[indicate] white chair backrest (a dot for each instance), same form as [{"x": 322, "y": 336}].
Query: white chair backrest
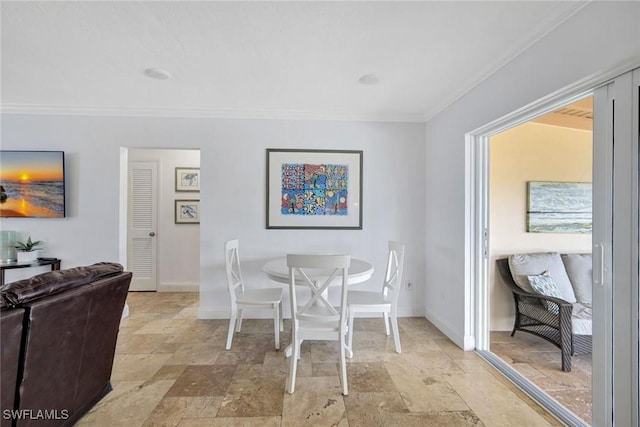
[
  {"x": 234, "y": 273},
  {"x": 393, "y": 275},
  {"x": 303, "y": 271}
]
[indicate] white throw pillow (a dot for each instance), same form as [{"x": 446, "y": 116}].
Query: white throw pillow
[
  {"x": 544, "y": 285},
  {"x": 580, "y": 271},
  {"x": 523, "y": 265}
]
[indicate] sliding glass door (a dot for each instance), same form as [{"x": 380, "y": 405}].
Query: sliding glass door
[{"x": 615, "y": 252}]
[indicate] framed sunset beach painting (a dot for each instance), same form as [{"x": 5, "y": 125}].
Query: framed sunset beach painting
[{"x": 32, "y": 184}]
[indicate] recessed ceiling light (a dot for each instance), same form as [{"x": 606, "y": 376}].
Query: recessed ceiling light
[
  {"x": 157, "y": 73},
  {"x": 368, "y": 79}
]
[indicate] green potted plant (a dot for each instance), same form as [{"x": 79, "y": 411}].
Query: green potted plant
[{"x": 28, "y": 251}]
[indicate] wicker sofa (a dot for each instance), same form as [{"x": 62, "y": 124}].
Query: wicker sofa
[{"x": 564, "y": 321}]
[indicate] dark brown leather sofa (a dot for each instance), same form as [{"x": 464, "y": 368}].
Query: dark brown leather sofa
[
  {"x": 58, "y": 332},
  {"x": 11, "y": 332}
]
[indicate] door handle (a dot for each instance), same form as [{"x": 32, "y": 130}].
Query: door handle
[
  {"x": 600, "y": 276},
  {"x": 152, "y": 234}
]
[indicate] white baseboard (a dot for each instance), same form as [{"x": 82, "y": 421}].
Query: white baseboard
[
  {"x": 402, "y": 312},
  {"x": 223, "y": 313},
  {"x": 411, "y": 311},
  {"x": 179, "y": 287},
  {"x": 465, "y": 342},
  {"x": 469, "y": 343}
]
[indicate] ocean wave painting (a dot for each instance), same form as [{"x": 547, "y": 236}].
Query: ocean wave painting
[{"x": 559, "y": 207}]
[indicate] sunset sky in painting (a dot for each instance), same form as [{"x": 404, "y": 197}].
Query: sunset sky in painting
[{"x": 31, "y": 166}]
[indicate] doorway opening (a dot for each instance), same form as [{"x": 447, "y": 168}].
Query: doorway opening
[
  {"x": 531, "y": 167},
  {"x": 156, "y": 243},
  {"x": 614, "y": 251}
]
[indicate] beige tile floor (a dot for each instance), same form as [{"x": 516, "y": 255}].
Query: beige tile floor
[
  {"x": 539, "y": 362},
  {"x": 171, "y": 369}
]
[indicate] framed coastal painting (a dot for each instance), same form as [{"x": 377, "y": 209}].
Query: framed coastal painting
[
  {"x": 559, "y": 207},
  {"x": 187, "y": 212},
  {"x": 314, "y": 189},
  {"x": 32, "y": 184},
  {"x": 187, "y": 179}
]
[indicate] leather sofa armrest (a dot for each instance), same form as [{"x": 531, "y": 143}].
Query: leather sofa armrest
[{"x": 53, "y": 282}]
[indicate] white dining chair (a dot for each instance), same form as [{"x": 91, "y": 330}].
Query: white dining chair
[
  {"x": 385, "y": 302},
  {"x": 318, "y": 318},
  {"x": 248, "y": 299}
]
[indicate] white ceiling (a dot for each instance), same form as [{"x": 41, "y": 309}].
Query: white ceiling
[{"x": 260, "y": 59}]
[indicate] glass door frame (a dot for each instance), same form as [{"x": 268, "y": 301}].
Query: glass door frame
[{"x": 606, "y": 384}]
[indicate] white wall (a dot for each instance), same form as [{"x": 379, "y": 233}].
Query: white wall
[
  {"x": 233, "y": 169},
  {"x": 599, "y": 37},
  {"x": 393, "y": 203},
  {"x": 178, "y": 244},
  {"x": 529, "y": 152}
]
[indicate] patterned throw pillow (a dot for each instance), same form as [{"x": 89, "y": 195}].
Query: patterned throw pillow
[{"x": 544, "y": 285}]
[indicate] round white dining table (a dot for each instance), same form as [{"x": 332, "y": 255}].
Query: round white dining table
[{"x": 359, "y": 271}]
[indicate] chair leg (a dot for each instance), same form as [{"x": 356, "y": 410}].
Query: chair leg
[
  {"x": 299, "y": 346},
  {"x": 232, "y": 323},
  {"x": 396, "y": 333},
  {"x": 276, "y": 325},
  {"x": 350, "y": 332},
  {"x": 293, "y": 366},
  {"x": 386, "y": 322},
  {"x": 281, "y": 316},
  {"x": 343, "y": 364},
  {"x": 239, "y": 321}
]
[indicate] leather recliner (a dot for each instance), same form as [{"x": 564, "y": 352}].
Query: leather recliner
[{"x": 64, "y": 343}]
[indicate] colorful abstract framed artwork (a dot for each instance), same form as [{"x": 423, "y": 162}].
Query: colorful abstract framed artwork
[
  {"x": 187, "y": 212},
  {"x": 559, "y": 207},
  {"x": 187, "y": 179},
  {"x": 314, "y": 189}
]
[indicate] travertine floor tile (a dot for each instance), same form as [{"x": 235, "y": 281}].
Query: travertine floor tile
[
  {"x": 494, "y": 405},
  {"x": 168, "y": 412},
  {"x": 331, "y": 384},
  {"x": 369, "y": 378},
  {"x": 366, "y": 409},
  {"x": 325, "y": 369},
  {"x": 203, "y": 406},
  {"x": 203, "y": 380},
  {"x": 128, "y": 408},
  {"x": 169, "y": 372},
  {"x": 198, "y": 331},
  {"x": 539, "y": 362},
  {"x": 314, "y": 408},
  {"x": 439, "y": 419},
  {"x": 425, "y": 392},
  {"x": 137, "y": 366},
  {"x": 231, "y": 422},
  {"x": 253, "y": 397},
  {"x": 163, "y": 326},
  {"x": 194, "y": 354},
  {"x": 236, "y": 357},
  {"x": 172, "y": 369},
  {"x": 190, "y": 312},
  {"x": 139, "y": 343}
]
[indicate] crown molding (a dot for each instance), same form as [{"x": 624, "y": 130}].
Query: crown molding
[{"x": 208, "y": 113}]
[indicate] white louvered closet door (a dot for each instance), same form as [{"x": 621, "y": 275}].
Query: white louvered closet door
[{"x": 143, "y": 218}]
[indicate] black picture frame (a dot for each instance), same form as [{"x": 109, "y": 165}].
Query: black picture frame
[{"x": 314, "y": 189}]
